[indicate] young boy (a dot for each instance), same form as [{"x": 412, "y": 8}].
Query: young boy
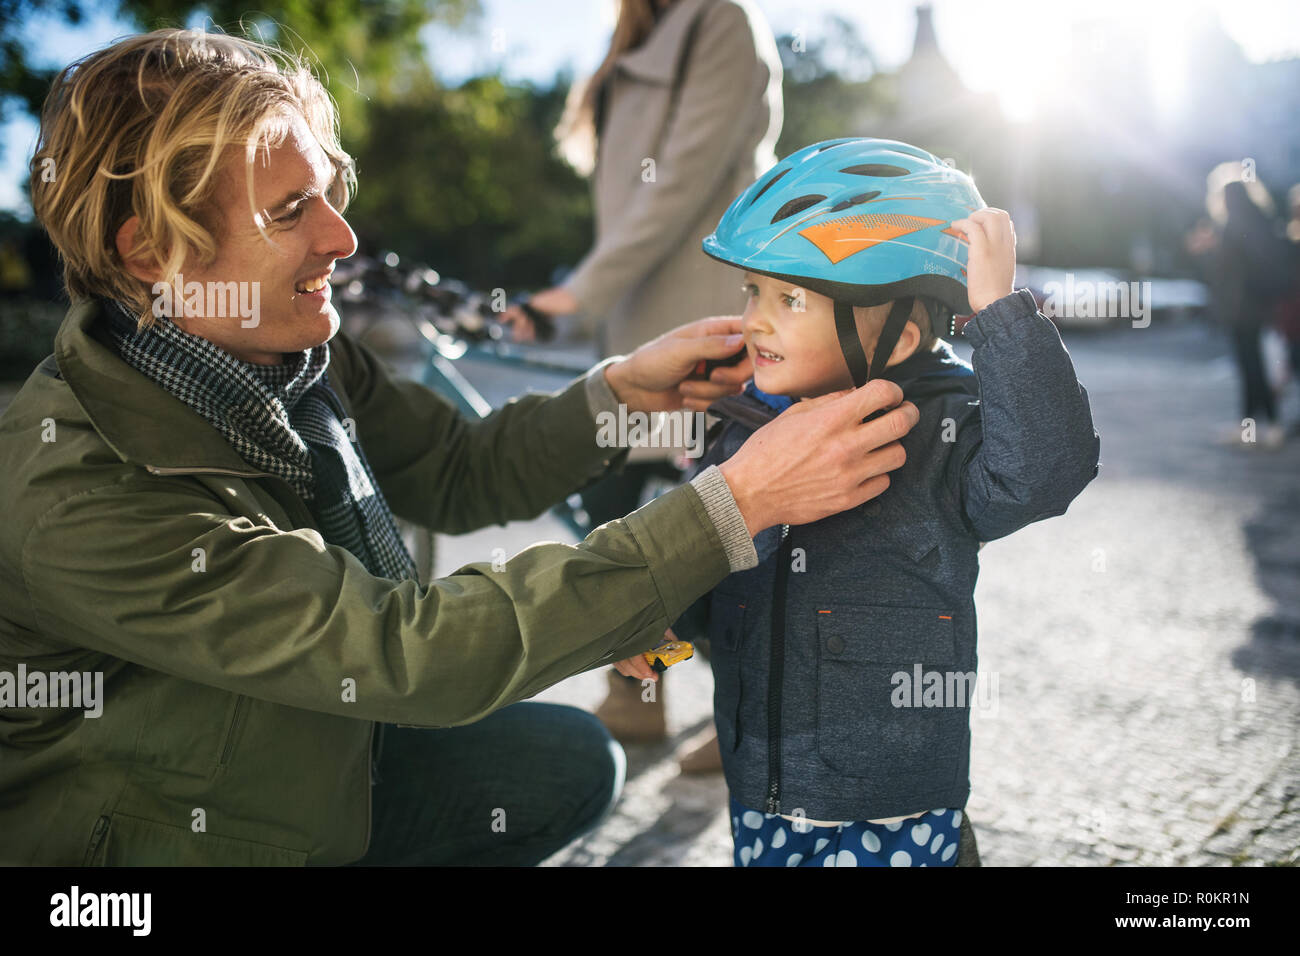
[{"x": 845, "y": 662}]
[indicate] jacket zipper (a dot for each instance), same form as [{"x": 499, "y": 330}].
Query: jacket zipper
[
  {"x": 96, "y": 838},
  {"x": 370, "y": 794},
  {"x": 377, "y": 748},
  {"x": 240, "y": 702},
  {"x": 776, "y": 673}
]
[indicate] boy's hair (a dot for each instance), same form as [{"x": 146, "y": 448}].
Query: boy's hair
[
  {"x": 140, "y": 127},
  {"x": 877, "y": 314}
]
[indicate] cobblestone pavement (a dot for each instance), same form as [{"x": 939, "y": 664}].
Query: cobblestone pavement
[{"x": 1145, "y": 648}]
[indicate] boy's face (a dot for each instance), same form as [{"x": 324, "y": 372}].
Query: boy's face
[{"x": 796, "y": 328}]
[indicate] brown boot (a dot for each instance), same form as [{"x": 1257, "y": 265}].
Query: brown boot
[
  {"x": 627, "y": 716},
  {"x": 701, "y": 754}
]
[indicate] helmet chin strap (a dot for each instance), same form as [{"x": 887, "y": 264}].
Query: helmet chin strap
[{"x": 851, "y": 345}]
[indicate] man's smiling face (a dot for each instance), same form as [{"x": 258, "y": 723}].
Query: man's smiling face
[{"x": 306, "y": 236}]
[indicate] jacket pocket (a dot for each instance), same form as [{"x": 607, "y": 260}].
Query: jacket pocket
[
  {"x": 189, "y": 728},
  {"x": 126, "y": 840},
  {"x": 727, "y": 623},
  {"x": 916, "y": 540},
  {"x": 92, "y": 856},
  {"x": 233, "y": 728},
  {"x": 878, "y": 711}
]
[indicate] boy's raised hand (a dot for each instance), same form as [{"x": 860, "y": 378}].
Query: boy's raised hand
[{"x": 991, "y": 262}]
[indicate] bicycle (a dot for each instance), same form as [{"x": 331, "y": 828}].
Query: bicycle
[{"x": 456, "y": 324}]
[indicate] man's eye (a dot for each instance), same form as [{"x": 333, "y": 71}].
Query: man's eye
[
  {"x": 292, "y": 216},
  {"x": 749, "y": 289}
]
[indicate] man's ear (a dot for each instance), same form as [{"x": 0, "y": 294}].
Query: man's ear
[{"x": 142, "y": 267}]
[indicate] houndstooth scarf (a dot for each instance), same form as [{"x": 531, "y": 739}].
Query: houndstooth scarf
[{"x": 283, "y": 419}]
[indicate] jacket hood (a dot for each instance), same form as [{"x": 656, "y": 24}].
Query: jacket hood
[{"x": 657, "y": 58}]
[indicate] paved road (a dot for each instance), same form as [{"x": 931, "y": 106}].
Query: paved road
[{"x": 1146, "y": 649}]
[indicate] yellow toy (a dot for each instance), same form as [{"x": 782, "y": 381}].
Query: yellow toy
[{"x": 669, "y": 653}]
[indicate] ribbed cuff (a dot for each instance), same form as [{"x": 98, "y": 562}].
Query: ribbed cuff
[
  {"x": 726, "y": 517},
  {"x": 1000, "y": 315},
  {"x": 600, "y": 397}
]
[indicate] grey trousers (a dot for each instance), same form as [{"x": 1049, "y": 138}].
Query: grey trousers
[{"x": 968, "y": 854}]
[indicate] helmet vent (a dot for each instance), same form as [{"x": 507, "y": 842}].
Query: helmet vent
[
  {"x": 768, "y": 185},
  {"x": 853, "y": 201},
  {"x": 877, "y": 169},
  {"x": 796, "y": 205}
]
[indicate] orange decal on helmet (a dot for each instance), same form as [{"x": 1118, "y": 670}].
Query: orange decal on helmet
[{"x": 840, "y": 238}]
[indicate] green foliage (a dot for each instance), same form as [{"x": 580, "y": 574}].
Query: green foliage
[
  {"x": 363, "y": 50},
  {"x": 466, "y": 180},
  {"x": 23, "y": 85},
  {"x": 826, "y": 96}
]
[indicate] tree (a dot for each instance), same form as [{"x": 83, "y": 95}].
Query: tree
[
  {"x": 363, "y": 50},
  {"x": 466, "y": 179}
]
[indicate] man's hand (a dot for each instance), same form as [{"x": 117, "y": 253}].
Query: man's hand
[
  {"x": 818, "y": 458},
  {"x": 654, "y": 377},
  {"x": 991, "y": 262},
  {"x": 636, "y": 666}
]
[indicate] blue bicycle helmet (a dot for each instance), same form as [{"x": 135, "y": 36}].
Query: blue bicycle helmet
[{"x": 861, "y": 221}]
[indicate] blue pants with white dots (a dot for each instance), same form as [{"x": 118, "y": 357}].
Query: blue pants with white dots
[{"x": 767, "y": 839}]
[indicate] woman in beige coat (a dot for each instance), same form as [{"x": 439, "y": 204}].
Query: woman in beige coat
[{"x": 682, "y": 114}]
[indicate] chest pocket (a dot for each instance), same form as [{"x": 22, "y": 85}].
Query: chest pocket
[
  {"x": 918, "y": 542},
  {"x": 191, "y": 728},
  {"x": 889, "y": 702},
  {"x": 726, "y": 629}
]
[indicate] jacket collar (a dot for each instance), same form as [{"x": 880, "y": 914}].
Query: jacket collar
[
  {"x": 141, "y": 422},
  {"x": 656, "y": 60},
  {"x": 922, "y": 375}
]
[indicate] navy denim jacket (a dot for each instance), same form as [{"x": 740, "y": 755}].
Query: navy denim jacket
[{"x": 806, "y": 646}]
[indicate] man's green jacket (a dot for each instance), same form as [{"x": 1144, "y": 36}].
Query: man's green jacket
[{"x": 244, "y": 660}]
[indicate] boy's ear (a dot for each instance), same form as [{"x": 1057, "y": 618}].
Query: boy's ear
[
  {"x": 908, "y": 340},
  {"x": 142, "y": 267}
]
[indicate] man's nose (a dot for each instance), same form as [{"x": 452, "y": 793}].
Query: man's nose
[{"x": 337, "y": 240}]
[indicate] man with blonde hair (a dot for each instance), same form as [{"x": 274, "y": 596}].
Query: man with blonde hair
[{"x": 201, "y": 483}]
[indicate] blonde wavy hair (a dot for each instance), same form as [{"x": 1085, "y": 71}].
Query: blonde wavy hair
[{"x": 140, "y": 128}]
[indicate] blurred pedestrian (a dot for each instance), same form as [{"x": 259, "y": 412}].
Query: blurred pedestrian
[
  {"x": 682, "y": 113},
  {"x": 1248, "y": 267},
  {"x": 1288, "y": 310}
]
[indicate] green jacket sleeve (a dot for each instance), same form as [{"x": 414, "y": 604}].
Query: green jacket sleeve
[
  {"x": 452, "y": 475},
  {"x": 164, "y": 578}
]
